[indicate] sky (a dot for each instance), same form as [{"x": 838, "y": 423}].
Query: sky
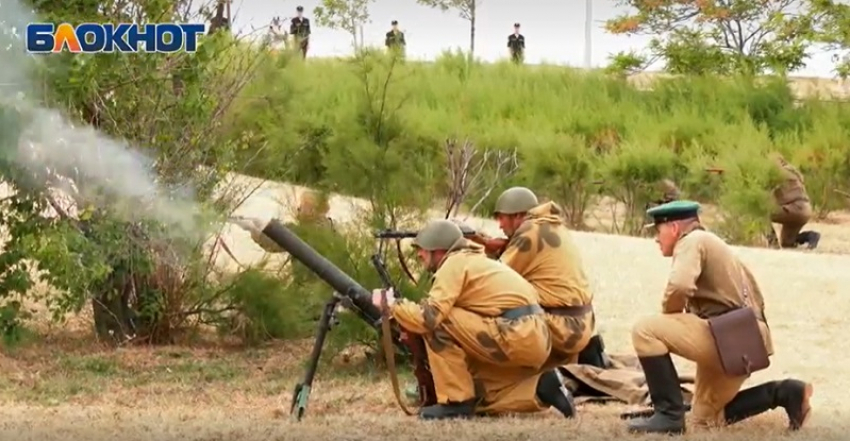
[{"x": 554, "y": 30}]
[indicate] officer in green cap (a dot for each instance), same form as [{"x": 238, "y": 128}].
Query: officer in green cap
[
  {"x": 706, "y": 280},
  {"x": 484, "y": 331}
]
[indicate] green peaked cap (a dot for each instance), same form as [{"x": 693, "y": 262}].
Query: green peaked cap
[{"x": 673, "y": 211}]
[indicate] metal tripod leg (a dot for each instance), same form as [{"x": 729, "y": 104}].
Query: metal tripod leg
[{"x": 301, "y": 395}]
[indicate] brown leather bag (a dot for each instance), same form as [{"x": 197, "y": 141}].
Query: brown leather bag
[{"x": 738, "y": 340}]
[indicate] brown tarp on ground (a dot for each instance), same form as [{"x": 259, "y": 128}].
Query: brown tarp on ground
[{"x": 621, "y": 381}]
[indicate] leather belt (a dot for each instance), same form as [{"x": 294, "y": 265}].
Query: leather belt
[
  {"x": 522, "y": 311},
  {"x": 570, "y": 311}
]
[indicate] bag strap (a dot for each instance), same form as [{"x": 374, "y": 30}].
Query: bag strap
[{"x": 745, "y": 289}]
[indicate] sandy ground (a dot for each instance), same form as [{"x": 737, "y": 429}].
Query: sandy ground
[{"x": 79, "y": 393}]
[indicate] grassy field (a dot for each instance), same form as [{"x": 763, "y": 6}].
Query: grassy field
[{"x": 68, "y": 387}]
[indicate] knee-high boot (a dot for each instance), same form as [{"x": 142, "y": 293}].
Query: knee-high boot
[
  {"x": 791, "y": 395},
  {"x": 666, "y": 395}
]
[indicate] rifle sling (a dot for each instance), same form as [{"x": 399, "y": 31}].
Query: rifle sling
[{"x": 389, "y": 353}]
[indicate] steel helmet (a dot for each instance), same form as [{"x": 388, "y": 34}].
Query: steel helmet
[
  {"x": 516, "y": 200},
  {"x": 440, "y": 234}
]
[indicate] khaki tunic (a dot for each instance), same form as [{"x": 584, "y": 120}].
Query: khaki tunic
[{"x": 472, "y": 351}]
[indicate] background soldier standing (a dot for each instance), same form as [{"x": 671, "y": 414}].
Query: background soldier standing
[
  {"x": 516, "y": 45},
  {"x": 299, "y": 28},
  {"x": 794, "y": 209},
  {"x": 395, "y": 40}
]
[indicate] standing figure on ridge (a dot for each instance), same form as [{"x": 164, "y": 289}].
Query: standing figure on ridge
[
  {"x": 516, "y": 45},
  {"x": 395, "y": 41},
  {"x": 299, "y": 28}
]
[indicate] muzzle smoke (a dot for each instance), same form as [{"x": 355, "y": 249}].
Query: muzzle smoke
[{"x": 102, "y": 171}]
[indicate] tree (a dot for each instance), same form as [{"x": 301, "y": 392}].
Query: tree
[
  {"x": 346, "y": 15},
  {"x": 467, "y": 11},
  {"x": 118, "y": 228},
  {"x": 717, "y": 36},
  {"x": 833, "y": 29}
]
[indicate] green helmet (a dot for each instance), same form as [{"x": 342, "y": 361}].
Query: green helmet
[
  {"x": 438, "y": 235},
  {"x": 516, "y": 200}
]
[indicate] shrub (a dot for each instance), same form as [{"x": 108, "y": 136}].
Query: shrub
[{"x": 572, "y": 128}]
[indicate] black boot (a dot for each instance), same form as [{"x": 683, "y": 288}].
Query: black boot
[
  {"x": 810, "y": 238},
  {"x": 594, "y": 353},
  {"x": 666, "y": 395},
  {"x": 465, "y": 409},
  {"x": 791, "y": 395},
  {"x": 552, "y": 392}
]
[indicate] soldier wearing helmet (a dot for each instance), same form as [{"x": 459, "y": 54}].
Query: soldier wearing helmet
[
  {"x": 485, "y": 333},
  {"x": 793, "y": 209},
  {"x": 313, "y": 208},
  {"x": 669, "y": 192},
  {"x": 542, "y": 251}
]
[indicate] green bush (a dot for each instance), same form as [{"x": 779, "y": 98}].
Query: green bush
[{"x": 375, "y": 129}]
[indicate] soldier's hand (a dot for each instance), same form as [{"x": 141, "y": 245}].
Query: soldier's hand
[
  {"x": 378, "y": 301},
  {"x": 479, "y": 238},
  {"x": 495, "y": 246}
]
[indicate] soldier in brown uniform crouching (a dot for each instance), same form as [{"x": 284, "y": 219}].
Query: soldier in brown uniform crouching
[
  {"x": 794, "y": 209},
  {"x": 706, "y": 281}
]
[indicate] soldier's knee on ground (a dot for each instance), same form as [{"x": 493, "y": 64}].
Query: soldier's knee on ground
[{"x": 645, "y": 333}]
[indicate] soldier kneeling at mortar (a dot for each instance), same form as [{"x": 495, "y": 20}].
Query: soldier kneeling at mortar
[
  {"x": 540, "y": 248},
  {"x": 484, "y": 331},
  {"x": 706, "y": 281},
  {"x": 542, "y": 251}
]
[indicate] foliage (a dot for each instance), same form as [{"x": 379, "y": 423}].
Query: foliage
[
  {"x": 466, "y": 9},
  {"x": 717, "y": 36},
  {"x": 834, "y": 30},
  {"x": 113, "y": 201},
  {"x": 346, "y": 15},
  {"x": 579, "y": 136}
]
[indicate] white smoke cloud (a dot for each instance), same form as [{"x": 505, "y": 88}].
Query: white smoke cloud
[{"x": 94, "y": 161}]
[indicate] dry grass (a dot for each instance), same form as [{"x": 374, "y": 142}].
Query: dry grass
[{"x": 68, "y": 388}]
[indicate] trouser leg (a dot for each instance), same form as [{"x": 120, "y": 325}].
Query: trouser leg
[
  {"x": 486, "y": 365},
  {"x": 689, "y": 337},
  {"x": 570, "y": 335}
]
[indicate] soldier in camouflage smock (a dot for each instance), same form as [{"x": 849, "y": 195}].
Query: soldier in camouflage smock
[
  {"x": 484, "y": 331},
  {"x": 541, "y": 249}
]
